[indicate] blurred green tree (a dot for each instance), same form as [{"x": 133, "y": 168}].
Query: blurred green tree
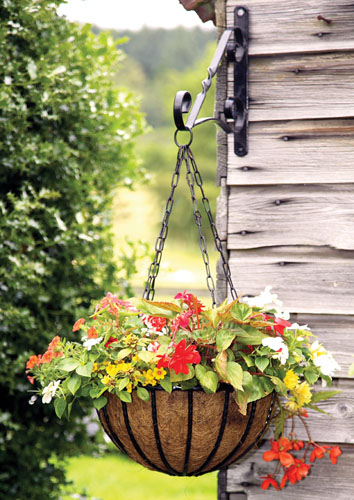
[{"x": 67, "y": 138}]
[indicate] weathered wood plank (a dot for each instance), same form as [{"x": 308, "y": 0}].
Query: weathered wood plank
[
  {"x": 336, "y": 332},
  {"x": 289, "y": 87},
  {"x": 222, "y": 210},
  {"x": 290, "y": 215},
  {"x": 308, "y": 279},
  {"x": 293, "y": 152},
  {"x": 294, "y": 26},
  {"x": 326, "y": 481}
]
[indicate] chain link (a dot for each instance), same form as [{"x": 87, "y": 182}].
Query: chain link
[
  {"x": 206, "y": 205},
  {"x": 193, "y": 177}
]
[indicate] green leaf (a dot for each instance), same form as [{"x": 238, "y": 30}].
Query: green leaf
[
  {"x": 160, "y": 309},
  {"x": 100, "y": 402},
  {"x": 247, "y": 359},
  {"x": 224, "y": 339},
  {"x": 68, "y": 364},
  {"x": 199, "y": 371},
  {"x": 234, "y": 374},
  {"x": 311, "y": 375},
  {"x": 96, "y": 392},
  {"x": 123, "y": 353},
  {"x": 181, "y": 376},
  {"x": 123, "y": 383},
  {"x": 323, "y": 395},
  {"x": 279, "y": 385},
  {"x": 221, "y": 364},
  {"x": 59, "y": 406},
  {"x": 143, "y": 393},
  {"x": 85, "y": 370},
  {"x": 248, "y": 335},
  {"x": 166, "y": 384},
  {"x": 209, "y": 381},
  {"x": 241, "y": 312},
  {"x": 241, "y": 398},
  {"x": 74, "y": 383},
  {"x": 146, "y": 356},
  {"x": 262, "y": 363},
  {"x": 316, "y": 408},
  {"x": 124, "y": 396}
]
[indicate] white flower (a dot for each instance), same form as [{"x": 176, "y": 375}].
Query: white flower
[
  {"x": 90, "y": 342},
  {"x": 296, "y": 326},
  {"x": 267, "y": 300},
  {"x": 7, "y": 80},
  {"x": 49, "y": 391},
  {"x": 323, "y": 359},
  {"x": 277, "y": 344}
]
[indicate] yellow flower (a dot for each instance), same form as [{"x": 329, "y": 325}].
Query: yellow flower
[
  {"x": 159, "y": 373},
  {"x": 149, "y": 375},
  {"x": 95, "y": 367},
  {"x": 302, "y": 394},
  {"x": 124, "y": 367},
  {"x": 106, "y": 380},
  {"x": 112, "y": 370},
  {"x": 292, "y": 405},
  {"x": 291, "y": 380},
  {"x": 136, "y": 358},
  {"x": 129, "y": 387}
]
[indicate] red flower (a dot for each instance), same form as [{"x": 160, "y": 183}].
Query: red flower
[
  {"x": 181, "y": 321},
  {"x": 78, "y": 324},
  {"x": 92, "y": 333},
  {"x": 154, "y": 322},
  {"x": 269, "y": 481},
  {"x": 297, "y": 471},
  {"x": 334, "y": 454},
  {"x": 279, "y": 451},
  {"x": 304, "y": 413},
  {"x": 110, "y": 341},
  {"x": 278, "y": 325},
  {"x": 191, "y": 301},
  {"x": 54, "y": 343},
  {"x": 180, "y": 358},
  {"x": 31, "y": 379},
  {"x": 318, "y": 452}
]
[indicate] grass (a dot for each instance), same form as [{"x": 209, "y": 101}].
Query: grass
[{"x": 113, "y": 477}]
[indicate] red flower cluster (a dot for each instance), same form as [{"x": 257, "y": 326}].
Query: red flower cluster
[
  {"x": 110, "y": 341},
  {"x": 191, "y": 301},
  {"x": 180, "y": 358},
  {"x": 53, "y": 351},
  {"x": 294, "y": 468},
  {"x": 155, "y": 323},
  {"x": 278, "y": 324}
]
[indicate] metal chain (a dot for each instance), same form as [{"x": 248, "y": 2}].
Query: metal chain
[
  {"x": 198, "y": 221},
  {"x": 149, "y": 291},
  {"x": 193, "y": 177},
  {"x": 206, "y": 205}
]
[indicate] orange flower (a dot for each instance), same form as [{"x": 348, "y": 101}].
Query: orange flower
[
  {"x": 47, "y": 357},
  {"x": 297, "y": 445},
  {"x": 78, "y": 324},
  {"x": 31, "y": 379},
  {"x": 318, "y": 452},
  {"x": 334, "y": 454},
  {"x": 54, "y": 343},
  {"x": 297, "y": 471},
  {"x": 279, "y": 451},
  {"x": 269, "y": 480},
  {"x": 33, "y": 361},
  {"x": 92, "y": 333}
]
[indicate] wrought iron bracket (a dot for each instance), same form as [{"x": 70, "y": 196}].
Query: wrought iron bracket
[{"x": 234, "y": 45}]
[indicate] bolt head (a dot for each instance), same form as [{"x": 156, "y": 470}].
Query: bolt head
[{"x": 241, "y": 12}]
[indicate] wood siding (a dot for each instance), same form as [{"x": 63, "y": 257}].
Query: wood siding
[{"x": 286, "y": 210}]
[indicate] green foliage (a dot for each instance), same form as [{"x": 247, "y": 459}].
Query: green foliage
[{"x": 67, "y": 138}]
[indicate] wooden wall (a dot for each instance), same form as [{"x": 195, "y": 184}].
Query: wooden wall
[{"x": 286, "y": 210}]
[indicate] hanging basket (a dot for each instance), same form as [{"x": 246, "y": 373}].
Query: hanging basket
[{"x": 185, "y": 433}]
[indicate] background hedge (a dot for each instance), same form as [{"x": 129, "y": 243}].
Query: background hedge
[{"x": 66, "y": 141}]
